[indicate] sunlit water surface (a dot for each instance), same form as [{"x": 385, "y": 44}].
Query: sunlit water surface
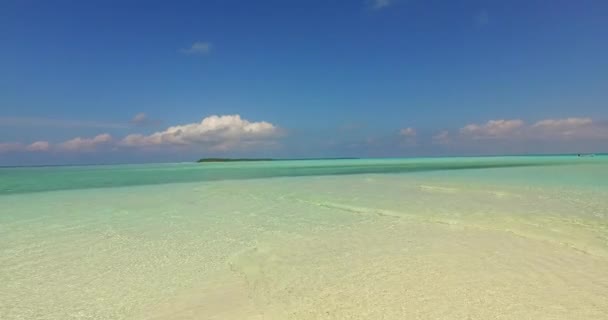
[{"x": 452, "y": 238}]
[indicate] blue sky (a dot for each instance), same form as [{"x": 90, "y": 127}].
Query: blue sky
[{"x": 104, "y": 81}]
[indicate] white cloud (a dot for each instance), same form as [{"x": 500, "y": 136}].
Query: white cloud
[
  {"x": 139, "y": 118},
  {"x": 547, "y": 129},
  {"x": 570, "y": 128},
  {"x": 233, "y": 133},
  {"x": 492, "y": 129},
  {"x": 20, "y": 147},
  {"x": 408, "y": 137},
  {"x": 198, "y": 48},
  {"x": 408, "y": 132},
  {"x": 59, "y": 123},
  {"x": 381, "y": 4},
  {"x": 442, "y": 137},
  {"x": 10, "y": 147},
  {"x": 563, "y": 124},
  {"x": 39, "y": 146},
  {"x": 573, "y": 134},
  {"x": 217, "y": 133},
  {"x": 86, "y": 144}
]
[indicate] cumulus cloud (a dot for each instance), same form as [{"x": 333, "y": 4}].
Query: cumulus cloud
[
  {"x": 233, "y": 133},
  {"x": 213, "y": 133},
  {"x": 198, "y": 48},
  {"x": 218, "y": 133},
  {"x": 408, "y": 132},
  {"x": 492, "y": 129},
  {"x": 86, "y": 144}
]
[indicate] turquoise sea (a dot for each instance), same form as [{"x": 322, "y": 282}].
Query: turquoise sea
[{"x": 422, "y": 238}]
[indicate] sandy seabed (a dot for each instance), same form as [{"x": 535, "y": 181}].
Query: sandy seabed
[{"x": 400, "y": 246}]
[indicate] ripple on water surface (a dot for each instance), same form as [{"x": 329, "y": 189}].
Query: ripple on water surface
[{"x": 430, "y": 245}]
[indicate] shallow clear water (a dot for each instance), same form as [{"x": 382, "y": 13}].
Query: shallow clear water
[
  {"x": 35, "y": 179},
  {"x": 451, "y": 238}
]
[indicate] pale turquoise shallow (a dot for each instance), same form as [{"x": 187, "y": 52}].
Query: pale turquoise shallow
[
  {"x": 426, "y": 238},
  {"x": 34, "y": 179}
]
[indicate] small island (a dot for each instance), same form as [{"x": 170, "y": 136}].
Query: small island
[
  {"x": 202, "y": 160},
  {"x": 230, "y": 160}
]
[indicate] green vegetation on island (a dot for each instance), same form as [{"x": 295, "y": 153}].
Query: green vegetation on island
[
  {"x": 230, "y": 160},
  {"x": 262, "y": 159}
]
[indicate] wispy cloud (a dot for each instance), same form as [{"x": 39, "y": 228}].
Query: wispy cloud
[
  {"x": 546, "y": 129},
  {"x": 141, "y": 119},
  {"x": 408, "y": 132},
  {"x": 10, "y": 147},
  {"x": 39, "y": 146},
  {"x": 492, "y": 128},
  {"x": 198, "y": 48},
  {"x": 381, "y": 4},
  {"x": 59, "y": 123},
  {"x": 570, "y": 129},
  {"x": 86, "y": 144},
  {"x": 482, "y": 18},
  {"x": 20, "y": 147},
  {"x": 563, "y": 124},
  {"x": 442, "y": 137},
  {"x": 503, "y": 136},
  {"x": 408, "y": 137}
]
